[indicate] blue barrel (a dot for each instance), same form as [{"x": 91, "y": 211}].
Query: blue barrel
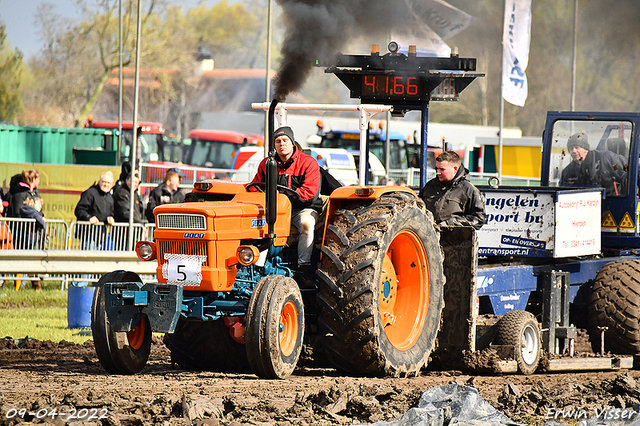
[{"x": 79, "y": 302}]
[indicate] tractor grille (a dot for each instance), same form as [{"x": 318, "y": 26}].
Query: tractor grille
[
  {"x": 198, "y": 248},
  {"x": 182, "y": 221}
]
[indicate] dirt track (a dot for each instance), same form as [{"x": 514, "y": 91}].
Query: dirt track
[{"x": 41, "y": 376}]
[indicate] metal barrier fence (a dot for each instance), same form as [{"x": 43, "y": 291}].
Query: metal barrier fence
[
  {"x": 26, "y": 234},
  {"x": 76, "y": 252},
  {"x": 101, "y": 237}
]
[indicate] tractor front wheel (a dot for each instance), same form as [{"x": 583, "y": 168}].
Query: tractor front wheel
[
  {"x": 274, "y": 327},
  {"x": 119, "y": 352}
]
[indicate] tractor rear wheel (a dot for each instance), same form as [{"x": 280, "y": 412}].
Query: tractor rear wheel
[
  {"x": 520, "y": 330},
  {"x": 275, "y": 327},
  {"x": 615, "y": 303},
  {"x": 380, "y": 289},
  {"x": 206, "y": 345},
  {"x": 119, "y": 352}
]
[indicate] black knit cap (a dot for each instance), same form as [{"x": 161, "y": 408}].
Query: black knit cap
[
  {"x": 284, "y": 131},
  {"x": 578, "y": 139}
]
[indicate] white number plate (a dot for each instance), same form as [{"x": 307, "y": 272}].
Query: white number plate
[{"x": 183, "y": 269}]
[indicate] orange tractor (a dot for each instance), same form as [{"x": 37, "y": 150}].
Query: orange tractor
[{"x": 227, "y": 297}]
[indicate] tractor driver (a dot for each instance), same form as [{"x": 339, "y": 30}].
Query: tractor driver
[
  {"x": 301, "y": 173},
  {"x": 603, "y": 168}
]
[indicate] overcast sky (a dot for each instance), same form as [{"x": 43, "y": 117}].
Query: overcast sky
[{"x": 19, "y": 17}]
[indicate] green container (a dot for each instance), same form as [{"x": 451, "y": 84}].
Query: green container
[{"x": 51, "y": 145}]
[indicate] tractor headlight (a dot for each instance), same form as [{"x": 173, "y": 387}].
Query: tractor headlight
[
  {"x": 247, "y": 255},
  {"x": 146, "y": 250}
]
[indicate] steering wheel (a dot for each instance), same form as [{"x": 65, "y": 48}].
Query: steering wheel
[{"x": 260, "y": 186}]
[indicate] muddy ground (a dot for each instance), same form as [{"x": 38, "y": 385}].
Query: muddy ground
[{"x": 40, "y": 377}]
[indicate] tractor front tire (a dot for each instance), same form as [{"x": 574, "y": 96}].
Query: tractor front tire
[
  {"x": 381, "y": 287},
  {"x": 118, "y": 352},
  {"x": 274, "y": 327},
  {"x": 615, "y": 303}
]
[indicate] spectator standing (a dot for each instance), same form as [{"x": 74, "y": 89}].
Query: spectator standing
[
  {"x": 121, "y": 199},
  {"x": 95, "y": 206},
  {"x": 23, "y": 186},
  {"x": 451, "y": 197},
  {"x": 167, "y": 192},
  {"x": 96, "y": 203}
]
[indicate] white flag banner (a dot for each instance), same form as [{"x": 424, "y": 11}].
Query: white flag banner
[
  {"x": 515, "y": 56},
  {"x": 428, "y": 24}
]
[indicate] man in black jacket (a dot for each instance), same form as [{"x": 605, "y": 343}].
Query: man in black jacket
[
  {"x": 594, "y": 167},
  {"x": 95, "y": 206},
  {"x": 121, "y": 199},
  {"x": 96, "y": 203},
  {"x": 451, "y": 196},
  {"x": 167, "y": 192}
]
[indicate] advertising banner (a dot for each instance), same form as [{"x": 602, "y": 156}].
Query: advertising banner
[{"x": 541, "y": 223}]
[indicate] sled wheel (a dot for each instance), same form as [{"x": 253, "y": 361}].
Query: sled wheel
[
  {"x": 520, "y": 329},
  {"x": 615, "y": 303},
  {"x": 119, "y": 352},
  {"x": 206, "y": 345},
  {"x": 380, "y": 290},
  {"x": 274, "y": 327}
]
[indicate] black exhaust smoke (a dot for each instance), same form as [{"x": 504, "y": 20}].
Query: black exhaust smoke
[{"x": 318, "y": 29}]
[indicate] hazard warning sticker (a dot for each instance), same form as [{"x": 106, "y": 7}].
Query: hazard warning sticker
[
  {"x": 608, "y": 223},
  {"x": 626, "y": 224}
]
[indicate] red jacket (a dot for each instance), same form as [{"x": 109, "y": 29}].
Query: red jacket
[{"x": 302, "y": 174}]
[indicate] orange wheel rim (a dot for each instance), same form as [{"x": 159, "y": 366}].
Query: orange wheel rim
[
  {"x": 288, "y": 328},
  {"x": 136, "y": 336},
  {"x": 404, "y": 290}
]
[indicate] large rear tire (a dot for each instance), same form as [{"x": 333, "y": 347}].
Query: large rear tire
[
  {"x": 380, "y": 290},
  {"x": 275, "y": 327},
  {"x": 520, "y": 329},
  {"x": 206, "y": 346},
  {"x": 119, "y": 352},
  {"x": 615, "y": 303}
]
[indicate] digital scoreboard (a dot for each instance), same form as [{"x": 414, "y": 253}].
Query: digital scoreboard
[
  {"x": 383, "y": 86},
  {"x": 404, "y": 81},
  {"x": 401, "y": 87}
]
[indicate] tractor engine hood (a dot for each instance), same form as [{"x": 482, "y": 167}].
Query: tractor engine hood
[{"x": 207, "y": 235}]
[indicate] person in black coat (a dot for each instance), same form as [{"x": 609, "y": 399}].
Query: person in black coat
[
  {"x": 96, "y": 203},
  {"x": 23, "y": 186},
  {"x": 167, "y": 192},
  {"x": 451, "y": 197},
  {"x": 121, "y": 200},
  {"x": 594, "y": 167}
]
